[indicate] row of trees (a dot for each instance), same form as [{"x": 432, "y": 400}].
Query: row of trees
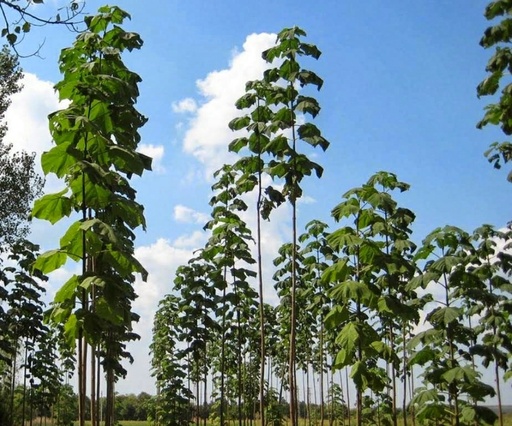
[
  {"x": 353, "y": 297},
  {"x": 29, "y": 378},
  {"x": 361, "y": 296}
]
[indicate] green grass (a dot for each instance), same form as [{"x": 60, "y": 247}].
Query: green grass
[
  {"x": 507, "y": 422},
  {"x": 123, "y": 423}
]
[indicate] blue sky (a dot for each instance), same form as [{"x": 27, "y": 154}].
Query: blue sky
[{"x": 399, "y": 95}]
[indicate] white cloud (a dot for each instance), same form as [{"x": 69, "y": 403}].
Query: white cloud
[
  {"x": 306, "y": 199},
  {"x": 27, "y": 119},
  {"x": 160, "y": 260},
  {"x": 187, "y": 215},
  {"x": 194, "y": 241},
  {"x": 208, "y": 134},
  {"x": 185, "y": 105},
  {"x": 156, "y": 152}
]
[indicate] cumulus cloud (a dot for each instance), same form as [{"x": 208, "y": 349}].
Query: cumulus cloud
[
  {"x": 27, "y": 119},
  {"x": 187, "y": 215},
  {"x": 161, "y": 260},
  {"x": 156, "y": 152},
  {"x": 185, "y": 105},
  {"x": 208, "y": 135},
  {"x": 194, "y": 241}
]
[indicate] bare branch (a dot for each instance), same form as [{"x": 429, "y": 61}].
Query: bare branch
[{"x": 19, "y": 19}]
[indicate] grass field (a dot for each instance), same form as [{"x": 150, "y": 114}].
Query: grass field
[
  {"x": 123, "y": 423},
  {"x": 507, "y": 422}
]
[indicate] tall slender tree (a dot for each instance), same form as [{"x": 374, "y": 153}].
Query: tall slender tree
[
  {"x": 95, "y": 152},
  {"x": 443, "y": 349},
  {"x": 368, "y": 280},
  {"x": 274, "y": 135}
]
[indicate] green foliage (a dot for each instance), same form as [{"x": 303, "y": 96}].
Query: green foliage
[
  {"x": 66, "y": 407},
  {"x": 96, "y": 138},
  {"x": 95, "y": 154},
  {"x": 448, "y": 348},
  {"x": 171, "y": 405},
  {"x": 25, "y": 335},
  {"x": 19, "y": 183},
  {"x": 498, "y": 67},
  {"x": 371, "y": 300}
]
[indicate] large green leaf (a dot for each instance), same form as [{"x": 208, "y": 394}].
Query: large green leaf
[
  {"x": 423, "y": 356},
  {"x": 58, "y": 160},
  {"x": 71, "y": 330},
  {"x": 337, "y": 316},
  {"x": 353, "y": 291},
  {"x": 336, "y": 272},
  {"x": 349, "y": 337},
  {"x": 343, "y": 358},
  {"x": 67, "y": 291},
  {"x": 52, "y": 207},
  {"x": 101, "y": 228},
  {"x": 445, "y": 315},
  {"x": 358, "y": 374},
  {"x": 72, "y": 242},
  {"x": 50, "y": 261},
  {"x": 109, "y": 312},
  {"x": 460, "y": 374}
]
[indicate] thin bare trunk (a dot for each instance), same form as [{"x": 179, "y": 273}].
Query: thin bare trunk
[
  {"x": 393, "y": 378},
  {"x": 322, "y": 401},
  {"x": 13, "y": 381},
  {"x": 94, "y": 414},
  {"x": 260, "y": 284},
  {"x": 109, "y": 408},
  {"x": 98, "y": 388},
  {"x": 411, "y": 393},
  {"x": 24, "y": 386},
  {"x": 498, "y": 392},
  {"x": 293, "y": 294},
  {"x": 197, "y": 401},
  {"x": 348, "y": 396},
  {"x": 404, "y": 372},
  {"x": 205, "y": 402},
  {"x": 223, "y": 353},
  {"x": 331, "y": 417}
]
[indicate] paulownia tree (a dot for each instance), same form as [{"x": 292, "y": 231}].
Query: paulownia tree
[
  {"x": 277, "y": 144},
  {"x": 368, "y": 289},
  {"x": 451, "y": 383},
  {"x": 95, "y": 153}
]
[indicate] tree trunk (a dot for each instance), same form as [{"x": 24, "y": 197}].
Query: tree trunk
[
  {"x": 393, "y": 378},
  {"x": 24, "y": 386},
  {"x": 498, "y": 391},
  {"x": 322, "y": 401},
  {"x": 94, "y": 419},
  {"x": 109, "y": 408},
  {"x": 404, "y": 372}
]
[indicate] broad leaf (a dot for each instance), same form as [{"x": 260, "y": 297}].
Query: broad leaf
[
  {"x": 67, "y": 291},
  {"x": 52, "y": 207},
  {"x": 50, "y": 261}
]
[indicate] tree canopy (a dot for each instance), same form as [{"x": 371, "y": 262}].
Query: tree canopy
[{"x": 19, "y": 182}]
